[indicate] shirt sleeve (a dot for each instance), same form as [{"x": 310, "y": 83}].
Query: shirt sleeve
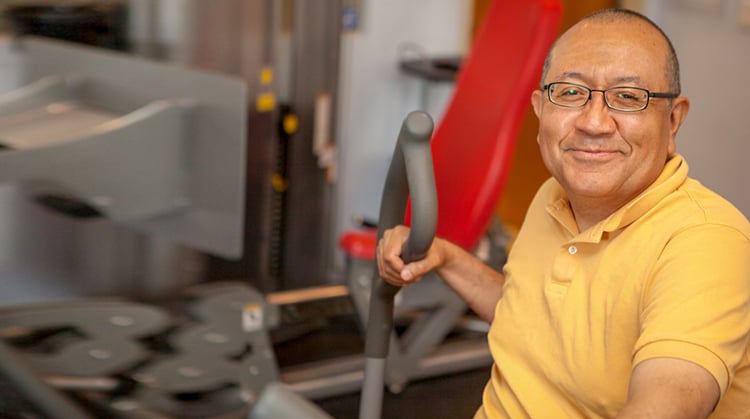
[{"x": 697, "y": 305}]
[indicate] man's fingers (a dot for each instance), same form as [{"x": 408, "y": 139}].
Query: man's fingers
[
  {"x": 414, "y": 271},
  {"x": 390, "y": 264}
]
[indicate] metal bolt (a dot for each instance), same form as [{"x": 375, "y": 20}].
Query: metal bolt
[
  {"x": 191, "y": 372},
  {"x": 214, "y": 337},
  {"x": 99, "y": 354},
  {"x": 121, "y": 321}
]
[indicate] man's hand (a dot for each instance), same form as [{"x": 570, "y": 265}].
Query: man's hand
[
  {"x": 478, "y": 284},
  {"x": 393, "y": 269}
]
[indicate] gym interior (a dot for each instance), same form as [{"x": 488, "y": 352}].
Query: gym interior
[{"x": 191, "y": 192}]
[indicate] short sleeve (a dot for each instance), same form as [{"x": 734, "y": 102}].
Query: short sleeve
[{"x": 697, "y": 305}]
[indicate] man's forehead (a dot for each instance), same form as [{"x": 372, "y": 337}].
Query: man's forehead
[
  {"x": 608, "y": 32},
  {"x": 623, "y": 43}
]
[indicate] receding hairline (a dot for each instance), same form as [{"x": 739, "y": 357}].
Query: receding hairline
[{"x": 610, "y": 15}]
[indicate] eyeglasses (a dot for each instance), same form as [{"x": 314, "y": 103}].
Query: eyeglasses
[{"x": 624, "y": 99}]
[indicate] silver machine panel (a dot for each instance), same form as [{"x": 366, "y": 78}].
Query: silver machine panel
[{"x": 154, "y": 147}]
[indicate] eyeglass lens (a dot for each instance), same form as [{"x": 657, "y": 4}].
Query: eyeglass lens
[{"x": 619, "y": 98}]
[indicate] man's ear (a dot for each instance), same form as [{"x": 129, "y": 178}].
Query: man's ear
[
  {"x": 536, "y": 101},
  {"x": 537, "y": 97},
  {"x": 680, "y": 108}
]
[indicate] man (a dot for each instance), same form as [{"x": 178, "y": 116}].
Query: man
[{"x": 627, "y": 291}]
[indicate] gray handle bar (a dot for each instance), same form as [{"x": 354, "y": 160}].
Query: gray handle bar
[{"x": 410, "y": 174}]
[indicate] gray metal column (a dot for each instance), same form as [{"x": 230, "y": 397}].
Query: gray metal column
[
  {"x": 238, "y": 37},
  {"x": 289, "y": 198},
  {"x": 315, "y": 64}
]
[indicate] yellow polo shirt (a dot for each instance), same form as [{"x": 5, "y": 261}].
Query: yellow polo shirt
[{"x": 667, "y": 275}]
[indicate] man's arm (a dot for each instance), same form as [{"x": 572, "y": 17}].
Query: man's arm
[
  {"x": 479, "y": 285},
  {"x": 670, "y": 388}
]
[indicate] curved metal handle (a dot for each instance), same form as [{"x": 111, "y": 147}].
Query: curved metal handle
[{"x": 410, "y": 173}]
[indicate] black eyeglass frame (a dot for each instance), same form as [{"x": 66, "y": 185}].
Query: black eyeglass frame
[{"x": 649, "y": 95}]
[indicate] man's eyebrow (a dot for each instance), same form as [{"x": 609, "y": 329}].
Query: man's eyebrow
[
  {"x": 571, "y": 75},
  {"x": 619, "y": 80},
  {"x": 628, "y": 79}
]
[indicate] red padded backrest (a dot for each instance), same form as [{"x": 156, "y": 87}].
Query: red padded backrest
[{"x": 473, "y": 143}]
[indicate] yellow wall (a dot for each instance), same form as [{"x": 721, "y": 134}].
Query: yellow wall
[{"x": 527, "y": 171}]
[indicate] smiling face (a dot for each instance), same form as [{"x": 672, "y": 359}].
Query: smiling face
[{"x": 603, "y": 158}]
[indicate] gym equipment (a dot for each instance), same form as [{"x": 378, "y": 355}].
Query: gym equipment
[
  {"x": 409, "y": 175},
  {"x": 207, "y": 354},
  {"x": 157, "y": 150},
  {"x": 24, "y": 395}
]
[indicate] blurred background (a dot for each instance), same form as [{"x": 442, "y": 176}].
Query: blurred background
[{"x": 326, "y": 90}]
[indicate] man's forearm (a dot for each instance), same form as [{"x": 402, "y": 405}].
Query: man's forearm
[{"x": 478, "y": 284}]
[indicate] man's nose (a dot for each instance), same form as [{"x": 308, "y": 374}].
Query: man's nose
[{"x": 596, "y": 117}]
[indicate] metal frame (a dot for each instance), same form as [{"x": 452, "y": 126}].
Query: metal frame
[{"x": 155, "y": 147}]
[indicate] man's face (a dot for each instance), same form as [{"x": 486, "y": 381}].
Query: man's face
[{"x": 600, "y": 155}]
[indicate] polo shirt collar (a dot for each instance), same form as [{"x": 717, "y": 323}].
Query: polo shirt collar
[{"x": 672, "y": 177}]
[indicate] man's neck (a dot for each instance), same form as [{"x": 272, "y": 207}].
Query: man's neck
[{"x": 590, "y": 211}]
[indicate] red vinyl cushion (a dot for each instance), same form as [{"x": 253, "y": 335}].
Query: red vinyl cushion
[{"x": 359, "y": 243}]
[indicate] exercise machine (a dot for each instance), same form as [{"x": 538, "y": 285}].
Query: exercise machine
[{"x": 206, "y": 354}]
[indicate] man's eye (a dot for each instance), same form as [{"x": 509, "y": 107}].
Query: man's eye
[
  {"x": 570, "y": 92},
  {"x": 629, "y": 95}
]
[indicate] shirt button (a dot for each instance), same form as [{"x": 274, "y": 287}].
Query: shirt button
[{"x": 572, "y": 250}]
